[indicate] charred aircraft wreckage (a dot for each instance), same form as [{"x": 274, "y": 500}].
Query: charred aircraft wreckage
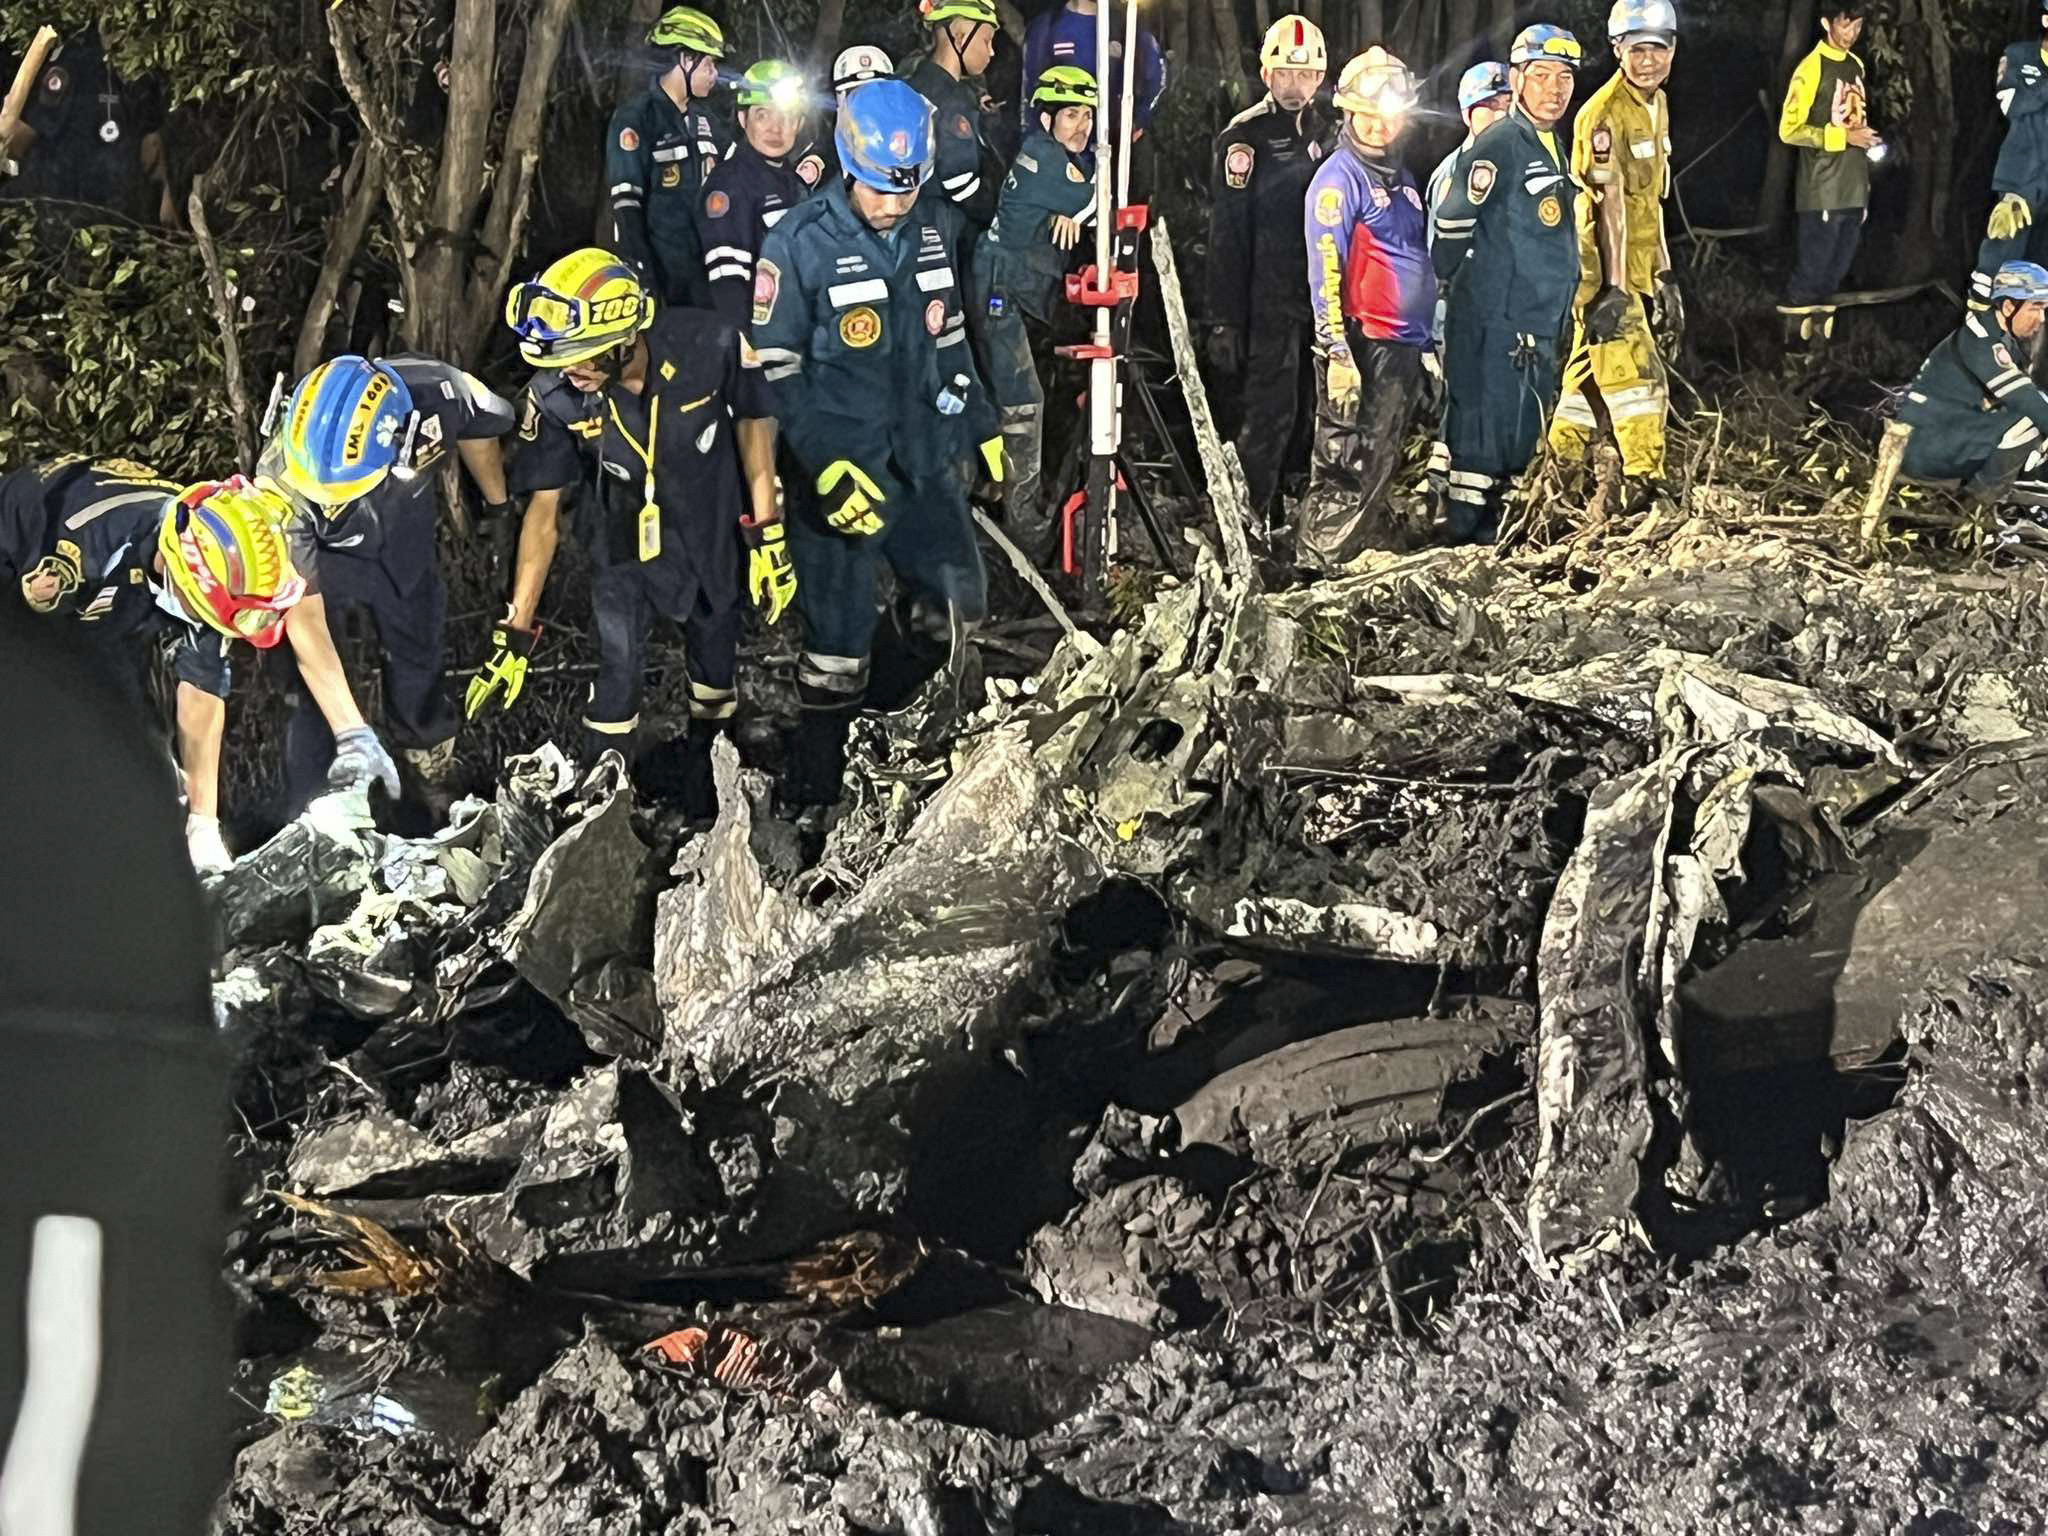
[{"x": 1474, "y": 1045}]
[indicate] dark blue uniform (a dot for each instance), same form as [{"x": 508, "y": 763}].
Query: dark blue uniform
[
  {"x": 1976, "y": 415},
  {"x": 1018, "y": 277},
  {"x": 969, "y": 172},
  {"x": 2022, "y": 167},
  {"x": 377, "y": 555},
  {"x": 90, "y": 125},
  {"x": 864, "y": 340},
  {"x": 1508, "y": 246},
  {"x": 701, "y": 377},
  {"x": 93, "y": 524},
  {"x": 657, "y": 160},
  {"x": 744, "y": 198}
]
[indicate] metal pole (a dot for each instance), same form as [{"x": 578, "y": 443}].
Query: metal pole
[{"x": 1102, "y": 385}]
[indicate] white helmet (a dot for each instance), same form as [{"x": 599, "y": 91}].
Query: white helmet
[
  {"x": 1294, "y": 42},
  {"x": 860, "y": 64},
  {"x": 1651, "y": 21}
]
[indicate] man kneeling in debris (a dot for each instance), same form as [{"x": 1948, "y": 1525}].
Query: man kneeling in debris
[
  {"x": 658, "y": 418},
  {"x": 1975, "y": 414}
]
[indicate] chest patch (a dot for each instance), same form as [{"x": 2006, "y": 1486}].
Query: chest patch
[
  {"x": 861, "y": 328},
  {"x": 1329, "y": 207},
  {"x": 1479, "y": 180},
  {"x": 1237, "y": 167},
  {"x": 1550, "y": 211},
  {"x": 671, "y": 175}
]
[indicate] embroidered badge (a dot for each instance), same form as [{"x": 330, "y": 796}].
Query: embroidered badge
[
  {"x": 55, "y": 81},
  {"x": 860, "y": 328},
  {"x": 1237, "y": 167},
  {"x": 671, "y": 175},
  {"x": 1330, "y": 207},
  {"x": 1603, "y": 144},
  {"x": 1550, "y": 211},
  {"x": 809, "y": 169},
  {"x": 962, "y": 128},
  {"x": 716, "y": 204},
  {"x": 767, "y": 283},
  {"x": 2004, "y": 357},
  {"x": 935, "y": 316},
  {"x": 1414, "y": 198},
  {"x": 1479, "y": 180},
  {"x": 628, "y": 140}
]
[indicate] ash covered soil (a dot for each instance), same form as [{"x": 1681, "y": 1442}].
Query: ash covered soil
[{"x": 1479, "y": 1045}]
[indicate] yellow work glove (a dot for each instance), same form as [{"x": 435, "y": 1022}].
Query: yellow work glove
[
  {"x": 1342, "y": 382},
  {"x": 849, "y": 499},
  {"x": 2010, "y": 216},
  {"x": 511, "y": 647},
  {"x": 992, "y": 456},
  {"x": 771, "y": 578}
]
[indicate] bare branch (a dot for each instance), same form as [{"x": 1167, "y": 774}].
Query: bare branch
[
  {"x": 365, "y": 184},
  {"x": 230, "y": 339}
]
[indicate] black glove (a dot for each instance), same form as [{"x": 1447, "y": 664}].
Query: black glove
[
  {"x": 1670, "y": 317},
  {"x": 1226, "y": 350},
  {"x": 1608, "y": 315},
  {"x": 500, "y": 531},
  {"x": 1528, "y": 350}
]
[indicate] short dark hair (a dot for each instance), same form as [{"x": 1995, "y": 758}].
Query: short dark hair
[{"x": 1853, "y": 9}]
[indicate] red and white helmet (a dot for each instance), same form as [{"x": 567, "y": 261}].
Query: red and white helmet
[
  {"x": 1294, "y": 42},
  {"x": 860, "y": 64}
]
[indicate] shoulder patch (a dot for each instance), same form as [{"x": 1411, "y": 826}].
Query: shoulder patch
[
  {"x": 1237, "y": 167},
  {"x": 716, "y": 205},
  {"x": 529, "y": 416},
  {"x": 1026, "y": 163},
  {"x": 1479, "y": 180},
  {"x": 809, "y": 169},
  {"x": 962, "y": 128},
  {"x": 54, "y": 81},
  {"x": 1330, "y": 207},
  {"x": 1074, "y": 172},
  {"x": 1603, "y": 144},
  {"x": 767, "y": 285},
  {"x": 628, "y": 140},
  {"x": 2004, "y": 357}
]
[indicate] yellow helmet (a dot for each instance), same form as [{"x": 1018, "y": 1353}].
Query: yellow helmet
[
  {"x": 224, "y": 554},
  {"x": 1376, "y": 83},
  {"x": 1294, "y": 42},
  {"x": 581, "y": 307}
]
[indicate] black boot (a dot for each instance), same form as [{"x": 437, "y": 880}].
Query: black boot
[
  {"x": 678, "y": 771},
  {"x": 817, "y": 757}
]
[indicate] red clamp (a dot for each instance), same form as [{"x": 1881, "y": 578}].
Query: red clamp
[
  {"x": 1082, "y": 288},
  {"x": 1085, "y": 352},
  {"x": 1136, "y": 217}
]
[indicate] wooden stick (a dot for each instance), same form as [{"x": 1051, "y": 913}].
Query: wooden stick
[
  {"x": 1025, "y": 569},
  {"x": 230, "y": 340},
  {"x": 24, "y": 81},
  {"x": 1891, "y": 453}
]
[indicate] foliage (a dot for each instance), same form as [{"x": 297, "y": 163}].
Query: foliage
[
  {"x": 199, "y": 50},
  {"x": 119, "y": 317}
]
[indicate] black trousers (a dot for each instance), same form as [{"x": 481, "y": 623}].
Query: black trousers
[
  {"x": 1279, "y": 404},
  {"x": 1346, "y": 511},
  {"x": 1827, "y": 246}
]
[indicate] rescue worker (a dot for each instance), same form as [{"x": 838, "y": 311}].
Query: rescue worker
[
  {"x": 1827, "y": 118},
  {"x": 1020, "y": 263},
  {"x": 1373, "y": 296},
  {"x": 948, "y": 75},
  {"x": 1976, "y": 414},
  {"x": 658, "y": 421},
  {"x": 140, "y": 559},
  {"x": 1066, "y": 35},
  {"x": 816, "y": 163},
  {"x": 1628, "y": 297},
  {"x": 663, "y": 146},
  {"x": 753, "y": 187},
  {"x": 358, "y": 452},
  {"x": 857, "y": 315},
  {"x": 1258, "y": 182},
  {"x": 2020, "y": 178},
  {"x": 87, "y": 136},
  {"x": 1508, "y": 248}
]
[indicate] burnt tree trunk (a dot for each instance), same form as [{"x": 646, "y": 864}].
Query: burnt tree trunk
[
  {"x": 1229, "y": 41},
  {"x": 1930, "y": 136},
  {"x": 1798, "y": 39}
]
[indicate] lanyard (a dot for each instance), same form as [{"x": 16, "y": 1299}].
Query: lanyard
[{"x": 650, "y": 513}]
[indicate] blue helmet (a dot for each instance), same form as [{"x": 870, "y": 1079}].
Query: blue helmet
[
  {"x": 342, "y": 429},
  {"x": 885, "y": 137},
  {"x": 2024, "y": 282},
  {"x": 1482, "y": 82},
  {"x": 1546, "y": 42}
]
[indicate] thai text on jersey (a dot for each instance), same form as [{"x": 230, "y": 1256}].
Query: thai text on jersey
[
  {"x": 342, "y": 430},
  {"x": 2024, "y": 282},
  {"x": 1376, "y": 83},
  {"x": 690, "y": 30},
  {"x": 1543, "y": 41},
  {"x": 1481, "y": 84},
  {"x": 581, "y": 307},
  {"x": 1294, "y": 42},
  {"x": 1065, "y": 85},
  {"x": 860, "y": 64},
  {"x": 1633, "y": 21},
  {"x": 772, "y": 83},
  {"x": 223, "y": 548},
  {"x": 886, "y": 138}
]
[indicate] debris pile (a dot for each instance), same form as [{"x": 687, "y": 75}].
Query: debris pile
[{"x": 1474, "y": 1043}]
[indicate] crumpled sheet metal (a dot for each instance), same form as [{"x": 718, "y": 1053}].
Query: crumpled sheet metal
[{"x": 584, "y": 924}]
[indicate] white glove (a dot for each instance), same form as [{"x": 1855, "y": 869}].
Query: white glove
[{"x": 203, "y": 843}]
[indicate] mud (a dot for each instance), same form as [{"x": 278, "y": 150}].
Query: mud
[{"x": 1473, "y": 1046}]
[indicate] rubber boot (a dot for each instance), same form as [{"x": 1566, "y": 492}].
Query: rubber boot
[
  {"x": 817, "y": 757},
  {"x": 678, "y": 771}
]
